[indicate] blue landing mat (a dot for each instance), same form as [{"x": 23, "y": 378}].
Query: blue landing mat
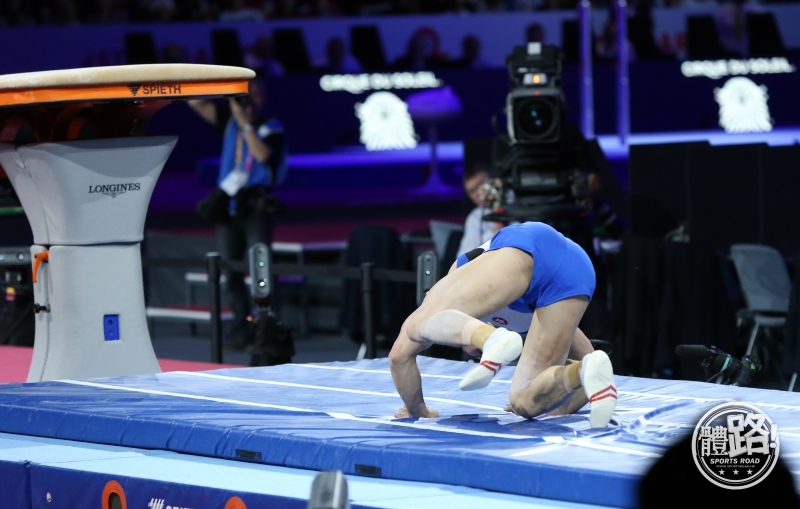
[
  {"x": 62, "y": 474},
  {"x": 339, "y": 416}
]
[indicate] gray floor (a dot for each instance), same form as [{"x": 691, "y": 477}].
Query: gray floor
[{"x": 174, "y": 341}]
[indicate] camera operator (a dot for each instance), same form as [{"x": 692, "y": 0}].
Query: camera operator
[
  {"x": 476, "y": 230},
  {"x": 253, "y": 161}
]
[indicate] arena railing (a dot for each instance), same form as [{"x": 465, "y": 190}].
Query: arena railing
[{"x": 424, "y": 278}]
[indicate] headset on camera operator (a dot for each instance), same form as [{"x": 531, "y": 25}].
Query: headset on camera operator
[{"x": 253, "y": 161}]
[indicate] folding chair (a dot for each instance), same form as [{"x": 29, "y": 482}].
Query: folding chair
[{"x": 766, "y": 286}]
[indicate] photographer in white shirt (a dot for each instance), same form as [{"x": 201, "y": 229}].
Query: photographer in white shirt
[{"x": 476, "y": 230}]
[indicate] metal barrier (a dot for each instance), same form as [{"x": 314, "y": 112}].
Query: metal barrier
[{"x": 424, "y": 278}]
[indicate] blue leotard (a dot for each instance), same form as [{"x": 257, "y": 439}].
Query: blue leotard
[{"x": 561, "y": 269}]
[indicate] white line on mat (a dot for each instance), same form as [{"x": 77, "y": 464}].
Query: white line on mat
[
  {"x": 334, "y": 389},
  {"x": 343, "y": 416}
]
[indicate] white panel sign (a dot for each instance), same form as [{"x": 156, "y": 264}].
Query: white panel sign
[
  {"x": 358, "y": 83},
  {"x": 743, "y": 107},
  {"x": 385, "y": 122}
]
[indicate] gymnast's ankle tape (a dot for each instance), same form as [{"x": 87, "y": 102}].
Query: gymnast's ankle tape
[
  {"x": 571, "y": 376},
  {"x": 480, "y": 335}
]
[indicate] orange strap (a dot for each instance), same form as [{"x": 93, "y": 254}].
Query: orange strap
[
  {"x": 38, "y": 258},
  {"x": 172, "y": 90}
]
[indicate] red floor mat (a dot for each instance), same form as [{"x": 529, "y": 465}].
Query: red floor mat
[{"x": 15, "y": 361}]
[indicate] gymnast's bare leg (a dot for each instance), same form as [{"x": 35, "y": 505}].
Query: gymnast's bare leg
[{"x": 542, "y": 383}]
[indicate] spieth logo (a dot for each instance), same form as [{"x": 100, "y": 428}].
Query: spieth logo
[
  {"x": 735, "y": 445},
  {"x": 113, "y": 190},
  {"x": 158, "y": 503}
]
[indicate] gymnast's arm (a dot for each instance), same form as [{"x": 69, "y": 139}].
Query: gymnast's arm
[{"x": 407, "y": 380}]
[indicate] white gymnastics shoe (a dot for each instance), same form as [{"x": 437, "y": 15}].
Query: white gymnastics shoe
[
  {"x": 597, "y": 379},
  {"x": 502, "y": 347}
]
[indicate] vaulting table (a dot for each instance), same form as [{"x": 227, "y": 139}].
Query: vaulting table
[{"x": 71, "y": 144}]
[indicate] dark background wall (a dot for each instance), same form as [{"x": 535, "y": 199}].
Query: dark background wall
[{"x": 726, "y": 194}]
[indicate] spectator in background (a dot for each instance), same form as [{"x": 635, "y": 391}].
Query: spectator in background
[
  {"x": 476, "y": 230},
  {"x": 238, "y": 10},
  {"x": 194, "y": 10},
  {"x": 94, "y": 11},
  {"x": 17, "y": 13},
  {"x": 58, "y": 12},
  {"x": 405, "y": 6},
  {"x": 338, "y": 60},
  {"x": 606, "y": 43},
  {"x": 174, "y": 53},
  {"x": 422, "y": 53},
  {"x": 435, "y": 6},
  {"x": 260, "y": 58},
  {"x": 496, "y": 5},
  {"x": 558, "y": 5},
  {"x": 640, "y": 32},
  {"x": 732, "y": 26},
  {"x": 525, "y": 5},
  {"x": 470, "y": 54},
  {"x": 252, "y": 163},
  {"x": 464, "y": 7},
  {"x": 534, "y": 33},
  {"x": 150, "y": 10},
  {"x": 328, "y": 8}
]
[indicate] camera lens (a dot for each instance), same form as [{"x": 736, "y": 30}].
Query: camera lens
[{"x": 535, "y": 116}]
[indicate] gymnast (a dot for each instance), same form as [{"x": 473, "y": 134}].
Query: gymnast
[{"x": 528, "y": 278}]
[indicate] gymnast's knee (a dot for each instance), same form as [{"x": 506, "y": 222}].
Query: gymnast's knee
[
  {"x": 414, "y": 326},
  {"x": 524, "y": 406}
]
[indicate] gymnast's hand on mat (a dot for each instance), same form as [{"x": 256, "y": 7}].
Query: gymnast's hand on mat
[{"x": 403, "y": 413}]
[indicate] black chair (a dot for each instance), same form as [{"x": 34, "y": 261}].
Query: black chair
[
  {"x": 291, "y": 50},
  {"x": 791, "y": 334},
  {"x": 140, "y": 48},
  {"x": 367, "y": 47},
  {"x": 450, "y": 252},
  {"x": 764, "y": 37},
  {"x": 392, "y": 302},
  {"x": 702, "y": 38}
]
